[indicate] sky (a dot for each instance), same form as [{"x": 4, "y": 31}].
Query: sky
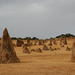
[{"x": 37, "y": 18}]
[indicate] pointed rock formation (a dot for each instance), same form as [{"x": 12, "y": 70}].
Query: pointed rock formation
[
  {"x": 28, "y": 42},
  {"x": 65, "y": 41},
  {"x": 73, "y": 52},
  {"x": 40, "y": 43},
  {"x": 45, "y": 47},
  {"x": 19, "y": 43},
  {"x": 54, "y": 42},
  {"x": 26, "y": 50},
  {"x": 35, "y": 42},
  {"x": 7, "y": 52},
  {"x": 50, "y": 42},
  {"x": 39, "y": 50},
  {"x": 68, "y": 49}
]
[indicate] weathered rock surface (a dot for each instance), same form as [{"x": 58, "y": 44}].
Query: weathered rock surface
[
  {"x": 28, "y": 42},
  {"x": 7, "y": 52},
  {"x": 45, "y": 47},
  {"x": 33, "y": 50},
  {"x": 73, "y": 52},
  {"x": 26, "y": 50},
  {"x": 39, "y": 50},
  {"x": 68, "y": 49},
  {"x": 40, "y": 42},
  {"x": 19, "y": 43},
  {"x": 50, "y": 42}
]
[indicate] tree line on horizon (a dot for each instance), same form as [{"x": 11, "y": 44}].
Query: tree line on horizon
[
  {"x": 33, "y": 38},
  {"x": 66, "y": 35}
]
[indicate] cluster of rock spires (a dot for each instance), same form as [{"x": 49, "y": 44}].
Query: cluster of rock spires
[
  {"x": 7, "y": 52},
  {"x": 63, "y": 39},
  {"x": 26, "y": 50}
]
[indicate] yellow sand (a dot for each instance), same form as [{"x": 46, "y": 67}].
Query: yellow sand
[{"x": 45, "y": 63}]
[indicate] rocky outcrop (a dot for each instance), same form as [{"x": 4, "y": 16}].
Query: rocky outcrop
[
  {"x": 7, "y": 52},
  {"x": 19, "y": 43},
  {"x": 45, "y": 47},
  {"x": 26, "y": 50},
  {"x": 73, "y": 52}
]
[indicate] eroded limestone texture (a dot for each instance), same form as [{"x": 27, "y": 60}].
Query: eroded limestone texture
[
  {"x": 7, "y": 52},
  {"x": 73, "y": 52}
]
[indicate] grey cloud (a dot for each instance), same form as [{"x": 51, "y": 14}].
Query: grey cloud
[{"x": 40, "y": 18}]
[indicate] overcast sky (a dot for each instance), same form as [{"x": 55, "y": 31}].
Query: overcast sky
[{"x": 39, "y": 18}]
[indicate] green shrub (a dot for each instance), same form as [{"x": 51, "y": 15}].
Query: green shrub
[{"x": 50, "y": 47}]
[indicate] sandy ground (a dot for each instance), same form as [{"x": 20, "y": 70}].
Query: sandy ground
[{"x": 46, "y": 63}]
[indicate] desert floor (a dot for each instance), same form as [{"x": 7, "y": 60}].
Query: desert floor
[{"x": 46, "y": 63}]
